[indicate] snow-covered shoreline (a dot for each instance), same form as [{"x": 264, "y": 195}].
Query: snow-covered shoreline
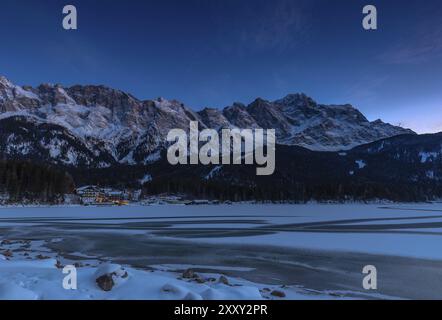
[
  {"x": 241, "y": 203},
  {"x": 30, "y": 271}
]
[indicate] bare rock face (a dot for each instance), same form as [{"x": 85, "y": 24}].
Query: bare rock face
[
  {"x": 270, "y": 116},
  {"x": 238, "y": 116},
  {"x": 214, "y": 119},
  {"x": 97, "y": 126},
  {"x": 15, "y": 98}
]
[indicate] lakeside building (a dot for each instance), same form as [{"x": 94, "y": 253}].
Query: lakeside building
[
  {"x": 90, "y": 194},
  {"x": 97, "y": 195}
]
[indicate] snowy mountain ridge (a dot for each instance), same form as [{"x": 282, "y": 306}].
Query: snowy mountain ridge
[{"x": 100, "y": 126}]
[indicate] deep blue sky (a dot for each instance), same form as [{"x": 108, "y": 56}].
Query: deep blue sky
[{"x": 215, "y": 52}]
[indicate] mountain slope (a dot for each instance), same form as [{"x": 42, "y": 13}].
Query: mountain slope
[
  {"x": 402, "y": 168},
  {"x": 29, "y": 139},
  {"x": 108, "y": 126}
]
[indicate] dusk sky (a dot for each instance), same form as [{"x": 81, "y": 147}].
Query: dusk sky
[{"x": 215, "y": 52}]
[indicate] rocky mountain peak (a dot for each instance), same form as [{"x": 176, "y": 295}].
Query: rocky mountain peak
[
  {"x": 297, "y": 100},
  {"x": 99, "y": 95},
  {"x": 214, "y": 118},
  {"x": 112, "y": 124},
  {"x": 4, "y": 82},
  {"x": 238, "y": 116}
]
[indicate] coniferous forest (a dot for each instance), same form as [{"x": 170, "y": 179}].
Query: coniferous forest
[
  {"x": 24, "y": 181},
  {"x": 300, "y": 192}
]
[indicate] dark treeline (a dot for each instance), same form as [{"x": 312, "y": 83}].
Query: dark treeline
[
  {"x": 302, "y": 175},
  {"x": 297, "y": 192},
  {"x": 24, "y": 181}
]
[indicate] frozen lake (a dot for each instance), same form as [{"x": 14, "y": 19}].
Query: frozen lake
[{"x": 320, "y": 247}]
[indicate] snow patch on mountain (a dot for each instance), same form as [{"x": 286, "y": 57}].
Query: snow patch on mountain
[
  {"x": 430, "y": 174},
  {"x": 214, "y": 172},
  {"x": 147, "y": 178},
  {"x": 19, "y": 91},
  {"x": 361, "y": 164},
  {"x": 153, "y": 157},
  {"x": 428, "y": 156},
  {"x": 129, "y": 159}
]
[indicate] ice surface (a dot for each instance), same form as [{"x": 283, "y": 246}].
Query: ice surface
[
  {"x": 406, "y": 230},
  {"x": 375, "y": 232}
]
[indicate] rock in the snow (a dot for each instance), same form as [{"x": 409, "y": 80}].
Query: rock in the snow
[
  {"x": 277, "y": 293},
  {"x": 189, "y": 274},
  {"x": 192, "y": 275},
  {"x": 42, "y": 257},
  {"x": 8, "y": 253},
  {"x": 5, "y": 242},
  {"x": 199, "y": 279},
  {"x": 109, "y": 275},
  {"x": 223, "y": 280},
  {"x": 105, "y": 282},
  {"x": 109, "y": 268}
]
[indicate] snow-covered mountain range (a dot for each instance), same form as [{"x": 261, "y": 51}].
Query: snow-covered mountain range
[{"x": 97, "y": 126}]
